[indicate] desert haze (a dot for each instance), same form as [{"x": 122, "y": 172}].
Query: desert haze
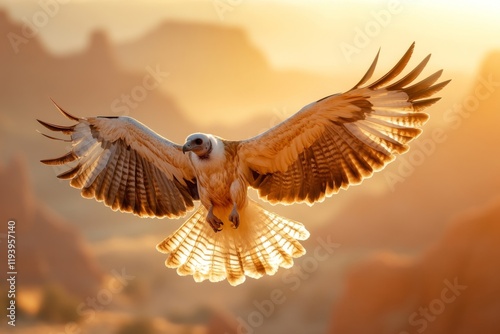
[{"x": 412, "y": 250}]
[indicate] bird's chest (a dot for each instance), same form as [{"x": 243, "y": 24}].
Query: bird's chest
[{"x": 214, "y": 180}]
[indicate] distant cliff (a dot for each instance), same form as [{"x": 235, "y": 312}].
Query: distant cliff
[
  {"x": 454, "y": 287},
  {"x": 87, "y": 83},
  {"x": 219, "y": 74},
  {"x": 48, "y": 249}
]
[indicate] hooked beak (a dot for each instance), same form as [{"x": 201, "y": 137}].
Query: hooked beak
[{"x": 187, "y": 147}]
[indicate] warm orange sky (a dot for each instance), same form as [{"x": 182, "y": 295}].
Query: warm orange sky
[{"x": 310, "y": 35}]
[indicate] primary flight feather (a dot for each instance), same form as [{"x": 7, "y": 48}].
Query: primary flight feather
[{"x": 329, "y": 144}]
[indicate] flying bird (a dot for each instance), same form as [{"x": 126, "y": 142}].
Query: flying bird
[{"x": 328, "y": 145}]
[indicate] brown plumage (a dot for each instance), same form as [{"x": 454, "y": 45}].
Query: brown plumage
[{"x": 330, "y": 144}]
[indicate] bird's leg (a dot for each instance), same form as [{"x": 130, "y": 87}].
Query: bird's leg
[
  {"x": 238, "y": 191},
  {"x": 214, "y": 222},
  {"x": 234, "y": 217}
]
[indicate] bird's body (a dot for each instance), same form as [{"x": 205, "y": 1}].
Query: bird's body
[
  {"x": 219, "y": 174},
  {"x": 330, "y": 144}
]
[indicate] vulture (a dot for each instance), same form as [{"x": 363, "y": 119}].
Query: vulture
[{"x": 328, "y": 145}]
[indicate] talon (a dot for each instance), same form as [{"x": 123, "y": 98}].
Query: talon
[
  {"x": 214, "y": 222},
  {"x": 219, "y": 228},
  {"x": 234, "y": 218}
]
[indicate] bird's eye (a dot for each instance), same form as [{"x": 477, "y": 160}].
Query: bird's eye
[{"x": 198, "y": 141}]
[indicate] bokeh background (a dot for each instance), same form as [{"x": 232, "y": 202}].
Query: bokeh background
[{"x": 415, "y": 249}]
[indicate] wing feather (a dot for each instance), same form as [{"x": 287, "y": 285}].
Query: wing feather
[
  {"x": 396, "y": 70},
  {"x": 122, "y": 163},
  {"x": 341, "y": 139}
]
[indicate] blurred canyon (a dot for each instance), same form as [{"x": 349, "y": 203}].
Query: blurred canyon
[{"x": 417, "y": 243}]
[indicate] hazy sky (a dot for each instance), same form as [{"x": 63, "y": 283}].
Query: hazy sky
[{"x": 317, "y": 35}]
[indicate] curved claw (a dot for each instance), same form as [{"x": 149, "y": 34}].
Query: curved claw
[
  {"x": 234, "y": 218},
  {"x": 214, "y": 222}
]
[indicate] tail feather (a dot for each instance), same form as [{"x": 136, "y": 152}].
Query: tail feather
[{"x": 261, "y": 244}]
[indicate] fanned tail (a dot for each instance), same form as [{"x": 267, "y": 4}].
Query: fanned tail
[{"x": 261, "y": 244}]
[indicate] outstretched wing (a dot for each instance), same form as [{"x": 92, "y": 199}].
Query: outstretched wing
[
  {"x": 119, "y": 161},
  {"x": 340, "y": 139}
]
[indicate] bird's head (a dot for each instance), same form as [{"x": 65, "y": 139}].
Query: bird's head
[{"x": 198, "y": 143}]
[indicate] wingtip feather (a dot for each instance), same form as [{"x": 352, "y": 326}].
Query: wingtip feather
[
  {"x": 70, "y": 173},
  {"x": 407, "y": 79},
  {"x": 54, "y": 138},
  {"x": 422, "y": 104},
  {"x": 69, "y": 157},
  {"x": 64, "y": 112},
  {"x": 396, "y": 70},
  {"x": 368, "y": 73},
  {"x": 54, "y": 127}
]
